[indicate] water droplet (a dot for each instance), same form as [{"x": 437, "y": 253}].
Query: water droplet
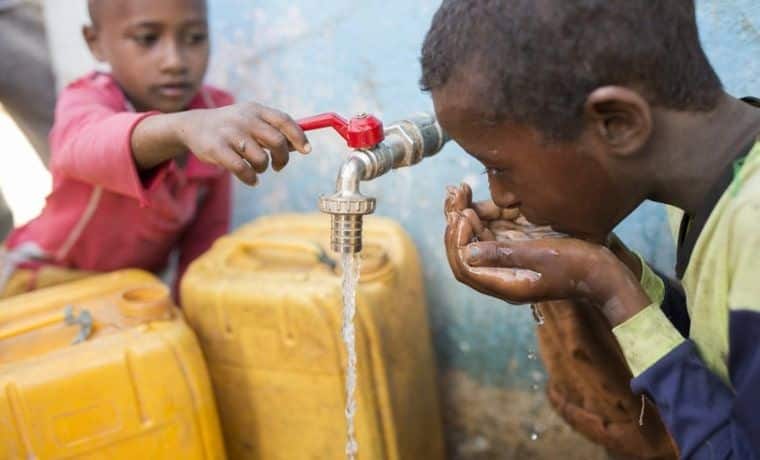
[
  {"x": 531, "y": 354},
  {"x": 538, "y": 315},
  {"x": 534, "y": 436},
  {"x": 535, "y": 387}
]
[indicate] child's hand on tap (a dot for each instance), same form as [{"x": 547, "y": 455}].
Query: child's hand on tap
[{"x": 240, "y": 138}]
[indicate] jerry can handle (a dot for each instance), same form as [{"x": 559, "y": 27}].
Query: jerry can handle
[
  {"x": 288, "y": 245},
  {"x": 84, "y": 320}
]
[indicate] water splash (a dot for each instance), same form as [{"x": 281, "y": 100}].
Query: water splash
[
  {"x": 538, "y": 315},
  {"x": 535, "y": 429},
  {"x": 351, "y": 263}
]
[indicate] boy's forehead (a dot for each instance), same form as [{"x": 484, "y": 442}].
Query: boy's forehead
[
  {"x": 460, "y": 100},
  {"x": 127, "y": 10}
]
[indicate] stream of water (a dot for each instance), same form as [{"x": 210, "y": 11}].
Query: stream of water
[{"x": 350, "y": 280}]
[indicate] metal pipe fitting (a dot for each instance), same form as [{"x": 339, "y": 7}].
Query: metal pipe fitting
[
  {"x": 347, "y": 207},
  {"x": 406, "y": 143}
]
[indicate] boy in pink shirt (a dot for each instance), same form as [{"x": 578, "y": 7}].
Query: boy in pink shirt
[{"x": 141, "y": 156}]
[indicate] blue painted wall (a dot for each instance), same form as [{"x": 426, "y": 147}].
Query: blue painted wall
[{"x": 309, "y": 56}]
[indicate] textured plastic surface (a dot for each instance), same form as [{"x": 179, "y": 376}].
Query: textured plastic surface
[
  {"x": 135, "y": 387},
  {"x": 266, "y": 303}
]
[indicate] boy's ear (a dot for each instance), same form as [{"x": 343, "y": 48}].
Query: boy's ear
[
  {"x": 621, "y": 118},
  {"x": 90, "y": 34}
]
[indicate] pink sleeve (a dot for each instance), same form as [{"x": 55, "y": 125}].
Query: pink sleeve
[
  {"x": 91, "y": 142},
  {"x": 211, "y": 221}
]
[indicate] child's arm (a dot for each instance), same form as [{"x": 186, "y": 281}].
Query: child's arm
[
  {"x": 95, "y": 141},
  {"x": 544, "y": 269},
  {"x": 707, "y": 418},
  {"x": 233, "y": 137}
]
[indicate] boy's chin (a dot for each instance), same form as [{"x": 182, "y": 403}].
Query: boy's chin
[{"x": 171, "y": 106}]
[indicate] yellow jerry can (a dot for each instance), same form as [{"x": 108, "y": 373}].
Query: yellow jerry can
[
  {"x": 266, "y": 303},
  {"x": 103, "y": 368}
]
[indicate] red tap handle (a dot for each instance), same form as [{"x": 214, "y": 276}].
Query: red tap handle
[{"x": 360, "y": 132}]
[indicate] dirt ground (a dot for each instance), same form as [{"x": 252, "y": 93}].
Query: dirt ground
[{"x": 487, "y": 423}]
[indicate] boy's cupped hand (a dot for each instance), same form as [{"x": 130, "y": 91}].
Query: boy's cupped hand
[
  {"x": 242, "y": 137},
  {"x": 499, "y": 253}
]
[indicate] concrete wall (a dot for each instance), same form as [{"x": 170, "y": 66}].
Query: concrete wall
[
  {"x": 308, "y": 56},
  {"x": 64, "y": 20}
]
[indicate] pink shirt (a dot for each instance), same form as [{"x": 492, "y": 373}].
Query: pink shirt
[{"x": 101, "y": 215}]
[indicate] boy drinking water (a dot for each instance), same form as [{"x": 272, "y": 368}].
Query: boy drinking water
[
  {"x": 141, "y": 155},
  {"x": 580, "y": 111}
]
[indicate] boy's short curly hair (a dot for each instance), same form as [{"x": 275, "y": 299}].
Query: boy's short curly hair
[{"x": 540, "y": 59}]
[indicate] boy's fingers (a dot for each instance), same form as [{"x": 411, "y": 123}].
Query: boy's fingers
[
  {"x": 464, "y": 232},
  {"x": 448, "y": 203},
  {"x": 288, "y": 127},
  {"x": 459, "y": 230},
  {"x": 252, "y": 152},
  {"x": 486, "y": 235},
  {"x": 454, "y": 230},
  {"x": 512, "y": 285},
  {"x": 450, "y": 243},
  {"x": 504, "y": 226},
  {"x": 475, "y": 222},
  {"x": 510, "y": 213},
  {"x": 466, "y": 191},
  {"x": 456, "y": 200},
  {"x": 487, "y": 210},
  {"x": 275, "y": 141},
  {"x": 523, "y": 255},
  {"x": 238, "y": 166}
]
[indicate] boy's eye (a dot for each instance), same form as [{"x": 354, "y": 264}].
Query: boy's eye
[
  {"x": 493, "y": 171},
  {"x": 196, "y": 38},
  {"x": 145, "y": 39}
]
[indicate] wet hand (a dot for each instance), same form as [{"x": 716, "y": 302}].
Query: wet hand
[
  {"x": 511, "y": 259},
  {"x": 242, "y": 138},
  {"x": 489, "y": 221}
]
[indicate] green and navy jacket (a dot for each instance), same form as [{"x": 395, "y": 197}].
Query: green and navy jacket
[{"x": 695, "y": 351}]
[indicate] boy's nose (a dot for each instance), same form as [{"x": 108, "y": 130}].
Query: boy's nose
[
  {"x": 503, "y": 197},
  {"x": 506, "y": 200},
  {"x": 173, "y": 60}
]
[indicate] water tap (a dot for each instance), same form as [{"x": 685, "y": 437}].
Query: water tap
[{"x": 375, "y": 151}]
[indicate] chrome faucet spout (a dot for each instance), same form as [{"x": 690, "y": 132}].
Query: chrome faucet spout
[{"x": 350, "y": 175}]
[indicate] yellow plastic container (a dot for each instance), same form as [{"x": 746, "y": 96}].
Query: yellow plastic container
[
  {"x": 266, "y": 303},
  {"x": 133, "y": 386}
]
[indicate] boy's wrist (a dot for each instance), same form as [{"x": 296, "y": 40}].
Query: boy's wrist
[
  {"x": 625, "y": 255},
  {"x": 623, "y": 297},
  {"x": 159, "y": 138},
  {"x": 619, "y": 310},
  {"x": 180, "y": 126}
]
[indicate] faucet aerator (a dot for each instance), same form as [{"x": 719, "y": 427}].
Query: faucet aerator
[{"x": 347, "y": 218}]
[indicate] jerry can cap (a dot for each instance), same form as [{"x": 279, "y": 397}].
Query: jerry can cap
[{"x": 146, "y": 303}]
